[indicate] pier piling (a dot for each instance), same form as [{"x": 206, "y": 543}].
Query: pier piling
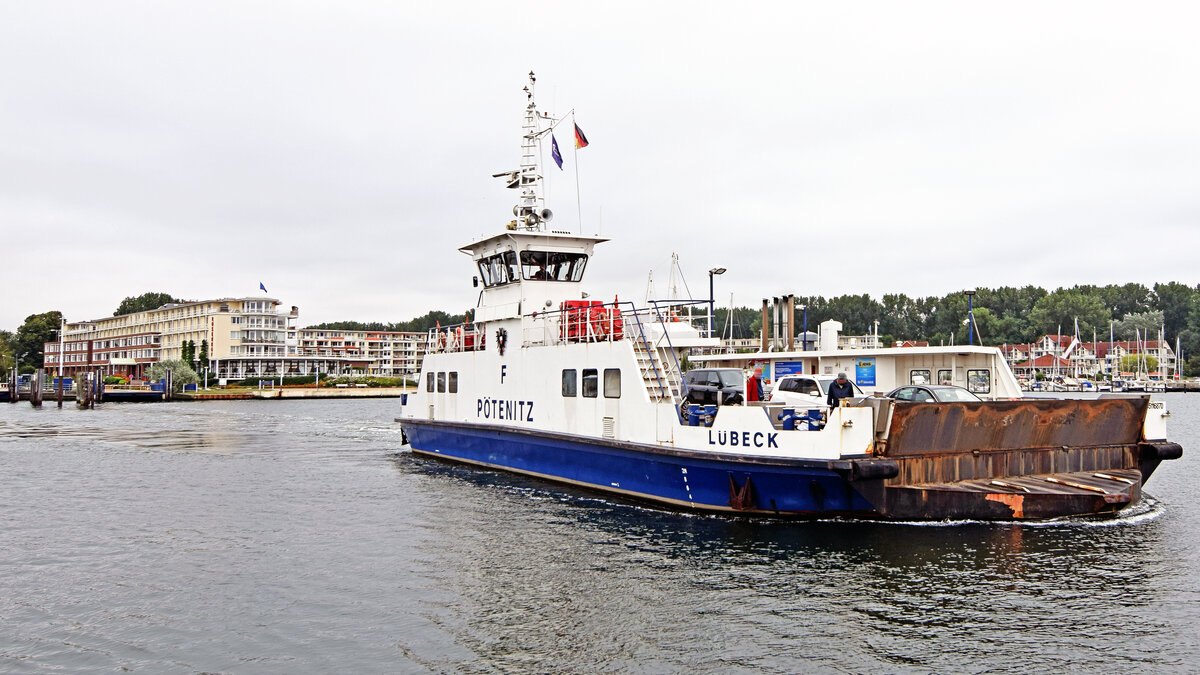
[{"x": 35, "y": 388}]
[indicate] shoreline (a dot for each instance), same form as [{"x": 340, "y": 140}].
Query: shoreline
[{"x": 292, "y": 393}]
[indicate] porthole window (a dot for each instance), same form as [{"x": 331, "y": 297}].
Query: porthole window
[
  {"x": 570, "y": 382},
  {"x": 591, "y": 382},
  {"x": 429, "y": 382},
  {"x": 441, "y": 380},
  {"x": 452, "y": 382}
]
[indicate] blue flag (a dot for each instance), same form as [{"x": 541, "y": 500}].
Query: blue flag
[
  {"x": 554, "y": 151},
  {"x": 264, "y": 288}
]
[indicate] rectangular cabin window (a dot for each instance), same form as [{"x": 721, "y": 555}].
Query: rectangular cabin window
[
  {"x": 570, "y": 384},
  {"x": 590, "y": 382},
  {"x": 945, "y": 377},
  {"x": 452, "y": 382},
  {"x": 498, "y": 269},
  {"x": 979, "y": 381},
  {"x": 441, "y": 383},
  {"x": 552, "y": 266},
  {"x": 429, "y": 382},
  {"x": 918, "y": 377},
  {"x": 612, "y": 383}
]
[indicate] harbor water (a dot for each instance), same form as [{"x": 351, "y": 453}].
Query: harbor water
[{"x": 297, "y": 537}]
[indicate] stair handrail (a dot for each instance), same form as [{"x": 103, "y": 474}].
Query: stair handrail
[{"x": 658, "y": 377}]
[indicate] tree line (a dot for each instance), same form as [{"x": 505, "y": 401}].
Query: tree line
[{"x": 1005, "y": 315}]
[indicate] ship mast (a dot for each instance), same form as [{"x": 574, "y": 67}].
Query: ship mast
[{"x": 530, "y": 211}]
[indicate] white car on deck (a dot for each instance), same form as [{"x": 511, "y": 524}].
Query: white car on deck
[{"x": 805, "y": 392}]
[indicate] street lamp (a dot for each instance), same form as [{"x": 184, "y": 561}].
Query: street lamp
[
  {"x": 970, "y": 317},
  {"x": 711, "y": 298}
]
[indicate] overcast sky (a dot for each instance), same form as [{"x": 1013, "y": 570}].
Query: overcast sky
[{"x": 340, "y": 153}]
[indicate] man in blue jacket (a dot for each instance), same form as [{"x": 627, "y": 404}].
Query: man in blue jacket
[{"x": 838, "y": 390}]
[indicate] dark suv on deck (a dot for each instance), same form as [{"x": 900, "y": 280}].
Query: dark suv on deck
[{"x": 723, "y": 386}]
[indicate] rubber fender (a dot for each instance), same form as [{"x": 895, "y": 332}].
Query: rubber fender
[
  {"x": 875, "y": 469},
  {"x": 1161, "y": 451}
]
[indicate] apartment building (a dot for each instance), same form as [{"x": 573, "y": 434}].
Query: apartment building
[
  {"x": 382, "y": 353},
  {"x": 242, "y": 337}
]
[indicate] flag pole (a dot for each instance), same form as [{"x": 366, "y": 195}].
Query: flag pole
[{"x": 575, "y": 156}]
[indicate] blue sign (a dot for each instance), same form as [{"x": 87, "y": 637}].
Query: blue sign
[
  {"x": 864, "y": 371},
  {"x": 788, "y": 368}
]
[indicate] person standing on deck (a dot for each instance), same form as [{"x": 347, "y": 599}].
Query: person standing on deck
[
  {"x": 838, "y": 390},
  {"x": 754, "y": 389}
]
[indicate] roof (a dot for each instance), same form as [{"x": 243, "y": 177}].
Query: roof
[
  {"x": 833, "y": 353},
  {"x": 1045, "y": 361}
]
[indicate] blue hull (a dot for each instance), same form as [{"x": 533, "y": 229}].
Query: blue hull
[{"x": 680, "y": 479}]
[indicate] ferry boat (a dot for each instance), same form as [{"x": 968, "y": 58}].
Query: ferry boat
[{"x": 548, "y": 382}]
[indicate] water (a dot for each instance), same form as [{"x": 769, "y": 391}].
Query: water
[{"x": 271, "y": 537}]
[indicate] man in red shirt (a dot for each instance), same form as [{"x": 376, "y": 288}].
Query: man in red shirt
[{"x": 754, "y": 390}]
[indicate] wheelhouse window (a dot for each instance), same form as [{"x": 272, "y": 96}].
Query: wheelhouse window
[
  {"x": 612, "y": 383},
  {"x": 429, "y": 382},
  {"x": 441, "y": 380},
  {"x": 552, "y": 266},
  {"x": 499, "y": 269},
  {"x": 979, "y": 381},
  {"x": 918, "y": 377},
  {"x": 452, "y": 382},
  {"x": 570, "y": 382},
  {"x": 591, "y": 383}
]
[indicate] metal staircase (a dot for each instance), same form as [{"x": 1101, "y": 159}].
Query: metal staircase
[{"x": 660, "y": 371}]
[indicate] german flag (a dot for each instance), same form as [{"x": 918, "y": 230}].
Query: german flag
[{"x": 581, "y": 141}]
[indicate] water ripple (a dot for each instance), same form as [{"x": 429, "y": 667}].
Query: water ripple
[{"x": 297, "y": 537}]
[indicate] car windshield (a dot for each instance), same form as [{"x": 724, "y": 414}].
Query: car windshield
[
  {"x": 731, "y": 378},
  {"x": 825, "y": 387},
  {"x": 949, "y": 395}
]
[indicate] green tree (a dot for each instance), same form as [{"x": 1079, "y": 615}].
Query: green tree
[
  {"x": 204, "y": 353},
  {"x": 1138, "y": 323},
  {"x": 1011, "y": 306},
  {"x": 1175, "y": 301},
  {"x": 33, "y": 335},
  {"x": 858, "y": 313},
  {"x": 1121, "y": 300},
  {"x": 902, "y": 317},
  {"x": 1063, "y": 306},
  {"x": 987, "y": 326},
  {"x": 7, "y": 348},
  {"x": 946, "y": 318},
  {"x": 143, "y": 303},
  {"x": 1191, "y": 367},
  {"x": 181, "y": 374},
  {"x": 187, "y": 351},
  {"x": 1130, "y": 363}
]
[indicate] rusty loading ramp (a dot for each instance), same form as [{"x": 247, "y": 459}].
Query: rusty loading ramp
[{"x": 1031, "y": 496}]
